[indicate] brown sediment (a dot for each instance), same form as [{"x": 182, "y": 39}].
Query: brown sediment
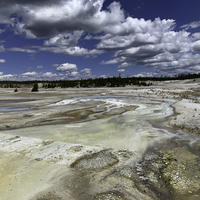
[
  {"x": 49, "y": 196},
  {"x": 110, "y": 195},
  {"x": 164, "y": 123},
  {"x": 170, "y": 170},
  {"x": 67, "y": 117},
  {"x": 96, "y": 161}
]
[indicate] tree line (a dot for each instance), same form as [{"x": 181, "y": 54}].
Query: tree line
[{"x": 98, "y": 82}]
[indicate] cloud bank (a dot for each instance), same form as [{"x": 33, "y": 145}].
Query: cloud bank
[
  {"x": 65, "y": 71},
  {"x": 27, "y": 76},
  {"x": 63, "y": 24}
]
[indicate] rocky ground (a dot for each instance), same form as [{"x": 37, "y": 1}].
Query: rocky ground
[{"x": 101, "y": 144}]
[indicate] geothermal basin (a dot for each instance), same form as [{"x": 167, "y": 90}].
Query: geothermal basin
[{"x": 107, "y": 143}]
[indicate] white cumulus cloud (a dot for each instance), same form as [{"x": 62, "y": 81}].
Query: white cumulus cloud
[
  {"x": 39, "y": 67},
  {"x": 65, "y": 39},
  {"x": 2, "y": 49},
  {"x": 86, "y": 70},
  {"x": 196, "y": 35},
  {"x": 196, "y": 46},
  {"x": 121, "y": 70},
  {"x": 50, "y": 18},
  {"x": 67, "y": 67},
  {"x": 29, "y": 74},
  {"x": 145, "y": 74},
  {"x": 125, "y": 64},
  {"x": 2, "y": 60}
]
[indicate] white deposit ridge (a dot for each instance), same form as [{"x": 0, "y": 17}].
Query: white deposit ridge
[
  {"x": 47, "y": 150},
  {"x": 112, "y": 103}
]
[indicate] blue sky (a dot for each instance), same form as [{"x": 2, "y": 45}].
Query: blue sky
[{"x": 73, "y": 39}]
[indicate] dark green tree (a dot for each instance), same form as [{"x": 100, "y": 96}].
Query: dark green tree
[{"x": 35, "y": 87}]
